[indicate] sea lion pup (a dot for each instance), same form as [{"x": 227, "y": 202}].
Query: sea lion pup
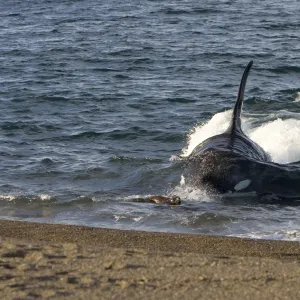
[{"x": 224, "y": 162}]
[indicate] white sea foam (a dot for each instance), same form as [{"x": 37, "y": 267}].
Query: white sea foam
[
  {"x": 174, "y": 158},
  {"x": 216, "y": 125},
  {"x": 45, "y": 197},
  {"x": 297, "y": 98},
  {"x": 280, "y": 137},
  {"x": 190, "y": 193},
  {"x": 12, "y": 197},
  {"x": 287, "y": 235},
  {"x": 8, "y": 197}
]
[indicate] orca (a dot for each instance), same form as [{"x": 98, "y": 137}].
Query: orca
[{"x": 232, "y": 163}]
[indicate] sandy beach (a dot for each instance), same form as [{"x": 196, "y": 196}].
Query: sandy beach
[{"x": 48, "y": 261}]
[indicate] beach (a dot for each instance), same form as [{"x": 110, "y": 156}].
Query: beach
[{"x": 53, "y": 261}]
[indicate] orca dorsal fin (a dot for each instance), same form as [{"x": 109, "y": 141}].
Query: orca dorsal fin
[{"x": 235, "y": 125}]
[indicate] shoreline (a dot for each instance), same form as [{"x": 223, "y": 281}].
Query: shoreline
[
  {"x": 53, "y": 261},
  {"x": 154, "y": 241}
]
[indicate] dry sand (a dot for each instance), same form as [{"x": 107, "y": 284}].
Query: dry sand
[{"x": 47, "y": 261}]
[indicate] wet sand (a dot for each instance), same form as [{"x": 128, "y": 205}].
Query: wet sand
[{"x": 48, "y": 261}]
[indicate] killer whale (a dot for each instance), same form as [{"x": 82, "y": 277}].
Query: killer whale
[{"x": 232, "y": 162}]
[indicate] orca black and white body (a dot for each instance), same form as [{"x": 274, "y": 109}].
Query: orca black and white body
[{"x": 232, "y": 162}]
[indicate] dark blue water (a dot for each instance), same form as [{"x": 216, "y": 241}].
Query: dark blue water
[{"x": 98, "y": 98}]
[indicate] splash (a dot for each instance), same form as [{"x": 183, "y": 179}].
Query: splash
[
  {"x": 280, "y": 137},
  {"x": 297, "y": 97},
  {"x": 7, "y": 197},
  {"x": 189, "y": 193},
  {"x": 218, "y": 124},
  {"x": 29, "y": 198}
]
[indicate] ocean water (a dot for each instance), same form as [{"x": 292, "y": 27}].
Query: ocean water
[{"x": 100, "y": 99}]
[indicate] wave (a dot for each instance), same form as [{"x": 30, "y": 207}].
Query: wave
[
  {"x": 285, "y": 70},
  {"x": 27, "y": 198},
  {"x": 181, "y": 11},
  {"x": 279, "y": 137}
]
